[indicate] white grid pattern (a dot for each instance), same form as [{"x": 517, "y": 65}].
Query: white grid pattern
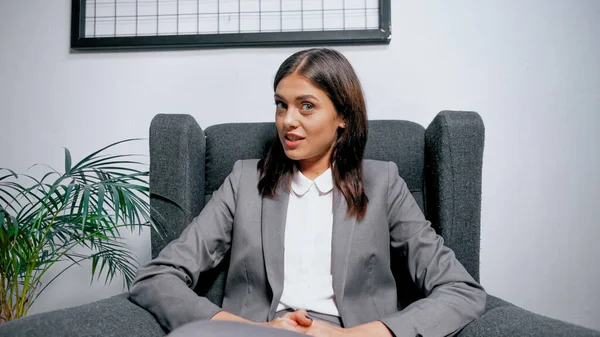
[{"x": 111, "y": 18}]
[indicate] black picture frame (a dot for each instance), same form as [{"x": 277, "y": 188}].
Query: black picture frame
[{"x": 79, "y": 42}]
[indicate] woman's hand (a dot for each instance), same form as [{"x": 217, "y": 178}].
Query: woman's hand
[
  {"x": 280, "y": 322},
  {"x": 297, "y": 321},
  {"x": 315, "y": 328},
  {"x": 322, "y": 329},
  {"x": 285, "y": 324},
  {"x": 373, "y": 329},
  {"x": 300, "y": 317}
]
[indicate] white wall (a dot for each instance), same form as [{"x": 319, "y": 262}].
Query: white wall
[{"x": 530, "y": 68}]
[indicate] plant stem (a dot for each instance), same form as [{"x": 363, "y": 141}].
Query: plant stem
[
  {"x": 5, "y": 309},
  {"x": 21, "y": 310}
]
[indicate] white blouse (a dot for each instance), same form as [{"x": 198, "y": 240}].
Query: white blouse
[{"x": 307, "y": 254}]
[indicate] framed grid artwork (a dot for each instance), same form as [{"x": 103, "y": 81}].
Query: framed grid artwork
[{"x": 151, "y": 24}]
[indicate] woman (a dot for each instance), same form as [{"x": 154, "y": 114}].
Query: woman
[{"x": 311, "y": 228}]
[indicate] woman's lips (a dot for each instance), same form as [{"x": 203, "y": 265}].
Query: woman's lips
[
  {"x": 292, "y": 144},
  {"x": 292, "y": 141}
]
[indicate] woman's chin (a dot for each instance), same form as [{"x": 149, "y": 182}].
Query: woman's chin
[{"x": 293, "y": 154}]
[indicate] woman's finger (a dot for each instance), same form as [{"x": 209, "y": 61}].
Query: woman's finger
[
  {"x": 301, "y": 316},
  {"x": 285, "y": 321}
]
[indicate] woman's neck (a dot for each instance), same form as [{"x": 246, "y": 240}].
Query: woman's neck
[{"x": 313, "y": 167}]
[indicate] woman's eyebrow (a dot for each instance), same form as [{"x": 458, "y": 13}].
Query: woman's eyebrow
[
  {"x": 299, "y": 98},
  {"x": 303, "y": 97}
]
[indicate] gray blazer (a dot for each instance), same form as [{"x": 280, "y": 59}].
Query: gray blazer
[{"x": 237, "y": 218}]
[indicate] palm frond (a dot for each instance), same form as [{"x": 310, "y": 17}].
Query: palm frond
[
  {"x": 86, "y": 159},
  {"x": 42, "y": 223}
]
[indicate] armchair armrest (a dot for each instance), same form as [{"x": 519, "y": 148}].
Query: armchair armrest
[
  {"x": 177, "y": 169},
  {"x": 503, "y": 319},
  {"x": 114, "y": 316},
  {"x": 453, "y": 165}
]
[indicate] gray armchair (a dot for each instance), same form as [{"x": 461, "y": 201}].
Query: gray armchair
[{"x": 441, "y": 165}]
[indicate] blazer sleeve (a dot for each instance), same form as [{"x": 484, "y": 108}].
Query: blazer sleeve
[
  {"x": 452, "y": 297},
  {"x": 164, "y": 286}
]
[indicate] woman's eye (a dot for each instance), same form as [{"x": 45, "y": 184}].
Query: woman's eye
[
  {"x": 307, "y": 106},
  {"x": 280, "y": 105}
]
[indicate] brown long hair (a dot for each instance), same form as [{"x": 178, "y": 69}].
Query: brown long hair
[{"x": 331, "y": 72}]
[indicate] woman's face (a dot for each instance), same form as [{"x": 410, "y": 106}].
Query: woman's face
[{"x": 306, "y": 120}]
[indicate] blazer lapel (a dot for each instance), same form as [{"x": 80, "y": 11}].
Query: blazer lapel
[
  {"x": 343, "y": 232},
  {"x": 273, "y": 216}
]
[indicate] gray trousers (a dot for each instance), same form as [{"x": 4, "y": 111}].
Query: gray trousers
[{"x": 236, "y": 329}]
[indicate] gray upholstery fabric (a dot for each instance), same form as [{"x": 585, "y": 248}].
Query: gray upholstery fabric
[
  {"x": 508, "y": 320},
  {"x": 112, "y": 317},
  {"x": 226, "y": 143},
  {"x": 453, "y": 161},
  {"x": 229, "y": 329},
  {"x": 177, "y": 150},
  {"x": 177, "y": 174},
  {"x": 399, "y": 141},
  {"x": 494, "y": 302}
]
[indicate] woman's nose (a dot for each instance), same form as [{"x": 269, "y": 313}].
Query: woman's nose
[{"x": 291, "y": 117}]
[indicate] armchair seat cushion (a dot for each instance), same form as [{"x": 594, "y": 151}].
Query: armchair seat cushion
[
  {"x": 503, "y": 319},
  {"x": 111, "y": 317}
]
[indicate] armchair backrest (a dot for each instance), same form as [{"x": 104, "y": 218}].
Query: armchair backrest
[{"x": 441, "y": 166}]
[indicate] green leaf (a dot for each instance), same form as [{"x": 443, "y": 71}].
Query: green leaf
[
  {"x": 77, "y": 187},
  {"x": 84, "y": 160},
  {"x": 115, "y": 199},
  {"x": 101, "y": 191},
  {"x": 15, "y": 226},
  {"x": 3, "y": 216},
  {"x": 104, "y": 261},
  {"x": 83, "y": 207},
  {"x": 48, "y": 175},
  {"x": 67, "y": 160},
  {"x": 44, "y": 165},
  {"x": 8, "y": 204},
  {"x": 94, "y": 265},
  {"x": 12, "y": 173},
  {"x": 85, "y": 202},
  {"x": 68, "y": 193},
  {"x": 104, "y": 162}
]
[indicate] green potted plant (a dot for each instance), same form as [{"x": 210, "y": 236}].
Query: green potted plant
[{"x": 71, "y": 216}]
